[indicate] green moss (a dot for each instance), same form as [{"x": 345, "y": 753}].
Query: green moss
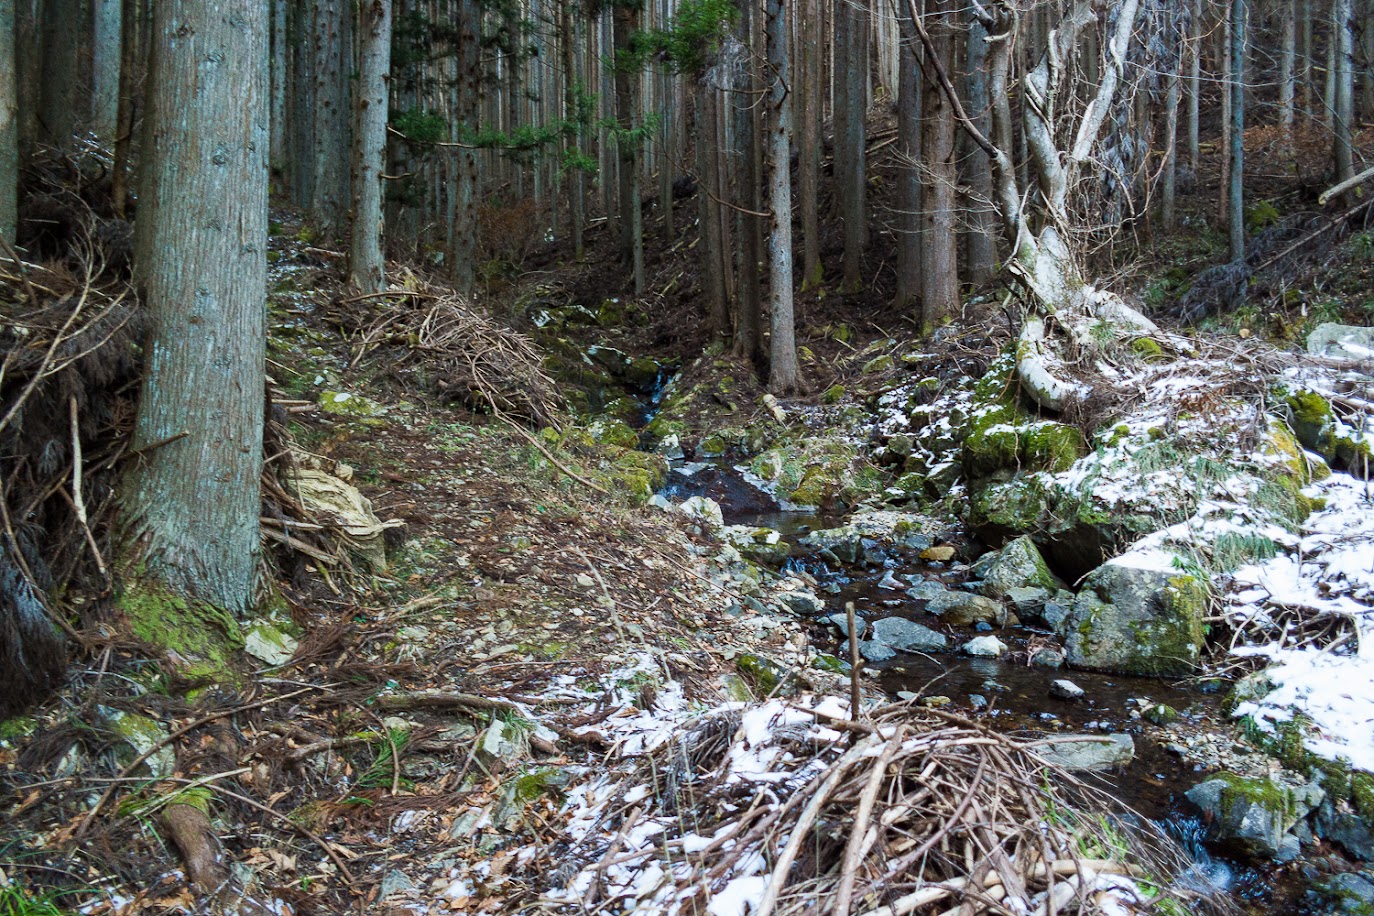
[
  {"x": 17, "y": 728},
  {"x": 712, "y": 447},
  {"x": 878, "y": 364},
  {"x": 636, "y": 474},
  {"x": 352, "y": 406},
  {"x": 202, "y": 635},
  {"x": 766, "y": 674},
  {"x": 1312, "y": 419},
  {"x": 609, "y": 431},
  {"x": 1262, "y": 792},
  {"x": 833, "y": 395},
  {"x": 661, "y": 428},
  {"x": 1147, "y": 348}
]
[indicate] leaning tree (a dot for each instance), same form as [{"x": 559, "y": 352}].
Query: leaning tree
[{"x": 1068, "y": 118}]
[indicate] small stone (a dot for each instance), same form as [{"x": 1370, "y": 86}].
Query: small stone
[
  {"x": 394, "y": 882},
  {"x": 841, "y": 621},
  {"x": 985, "y": 647},
  {"x": 907, "y": 635},
  {"x": 1090, "y": 752},
  {"x": 1065, "y": 689},
  {"x": 977, "y": 701},
  {"x": 1160, "y": 714},
  {"x": 1047, "y": 658},
  {"x": 874, "y": 651},
  {"x": 907, "y": 695},
  {"x": 935, "y": 702},
  {"x": 940, "y": 554},
  {"x": 584, "y": 580}
]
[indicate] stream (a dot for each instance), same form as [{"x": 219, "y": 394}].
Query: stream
[{"x": 1008, "y": 694}]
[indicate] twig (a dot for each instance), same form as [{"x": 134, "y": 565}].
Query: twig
[{"x": 78, "y": 500}]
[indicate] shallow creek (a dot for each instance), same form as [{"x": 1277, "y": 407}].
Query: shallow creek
[{"x": 1006, "y": 694}]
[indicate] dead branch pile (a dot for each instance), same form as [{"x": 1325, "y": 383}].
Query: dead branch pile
[
  {"x": 468, "y": 356},
  {"x": 68, "y": 381},
  {"x": 796, "y": 810}
]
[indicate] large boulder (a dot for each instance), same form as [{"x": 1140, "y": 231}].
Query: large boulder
[
  {"x": 1017, "y": 565},
  {"x": 1137, "y": 614},
  {"x": 1342, "y": 341},
  {"x": 962, "y": 609},
  {"x": 1253, "y": 815},
  {"x": 1088, "y": 752}
]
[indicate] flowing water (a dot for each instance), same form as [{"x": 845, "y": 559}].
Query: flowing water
[{"x": 1008, "y": 694}]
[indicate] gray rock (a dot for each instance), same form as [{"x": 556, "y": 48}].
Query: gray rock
[
  {"x": 1089, "y": 752},
  {"x": 1065, "y": 689},
  {"x": 1017, "y": 565},
  {"x": 133, "y": 736},
  {"x": 394, "y": 882},
  {"x": 1028, "y": 600},
  {"x": 268, "y": 644},
  {"x": 962, "y": 609},
  {"x": 1352, "y": 893},
  {"x": 1054, "y": 613},
  {"x": 1253, "y": 815},
  {"x": 1342, "y": 341},
  {"x": 502, "y": 746},
  {"x": 1047, "y": 658},
  {"x": 842, "y": 543},
  {"x": 841, "y": 621},
  {"x": 870, "y": 650},
  {"x": 802, "y": 603},
  {"x": 985, "y": 647},
  {"x": 977, "y": 701},
  {"x": 1137, "y": 614},
  {"x": 706, "y": 510},
  {"x": 907, "y": 635},
  {"x": 926, "y": 591},
  {"x": 1348, "y": 830}
]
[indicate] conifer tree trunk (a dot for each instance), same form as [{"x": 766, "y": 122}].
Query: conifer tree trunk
[
  {"x": 981, "y": 236},
  {"x": 851, "y": 109},
  {"x": 1237, "y": 158},
  {"x": 462, "y": 229},
  {"x": 1288, "y": 27},
  {"x": 576, "y": 178},
  {"x": 301, "y": 102},
  {"x": 106, "y": 32},
  {"x": 280, "y": 79},
  {"x": 1195, "y": 87},
  {"x": 330, "y": 197},
  {"x": 810, "y": 91},
  {"x": 366, "y": 269},
  {"x": 712, "y": 245},
  {"x": 60, "y": 112},
  {"x": 130, "y": 54},
  {"x": 9, "y": 124},
  {"x": 1343, "y": 21},
  {"x": 940, "y": 239},
  {"x": 743, "y": 102},
  {"x": 626, "y": 22},
  {"x": 908, "y": 262},
  {"x": 190, "y": 502},
  {"x": 784, "y": 376}
]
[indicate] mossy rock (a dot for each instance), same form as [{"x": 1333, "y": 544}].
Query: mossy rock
[
  {"x": 611, "y": 313},
  {"x": 767, "y": 675},
  {"x": 639, "y": 475},
  {"x": 352, "y": 406},
  {"x": 878, "y": 364},
  {"x": 1133, "y": 617},
  {"x": 201, "y": 636},
  {"x": 833, "y": 395},
  {"x": 1148, "y": 349},
  {"x": 609, "y": 431}
]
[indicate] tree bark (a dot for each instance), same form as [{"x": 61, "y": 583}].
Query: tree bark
[
  {"x": 576, "y": 177},
  {"x": 940, "y": 239},
  {"x": 712, "y": 246},
  {"x": 190, "y": 505},
  {"x": 1343, "y": 117},
  {"x": 626, "y": 23},
  {"x": 460, "y": 257},
  {"x": 1195, "y": 87},
  {"x": 1237, "y": 170},
  {"x": 851, "y": 110},
  {"x": 301, "y": 102},
  {"x": 908, "y": 218},
  {"x": 9, "y": 124},
  {"x": 810, "y": 94},
  {"x": 980, "y": 237},
  {"x": 105, "y": 19},
  {"x": 742, "y": 99},
  {"x": 784, "y": 376},
  {"x": 61, "y": 111},
  {"x": 1288, "y": 27},
  {"x": 330, "y": 197},
  {"x": 129, "y": 86},
  {"x": 366, "y": 268}
]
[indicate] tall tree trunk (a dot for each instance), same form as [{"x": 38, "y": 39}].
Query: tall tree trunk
[
  {"x": 743, "y": 102},
  {"x": 576, "y": 177},
  {"x": 330, "y": 197},
  {"x": 626, "y": 22},
  {"x": 9, "y": 124},
  {"x": 1169, "y": 209},
  {"x": 1288, "y": 27},
  {"x": 981, "y": 237},
  {"x": 460, "y": 258},
  {"x": 810, "y": 104},
  {"x": 712, "y": 246},
  {"x": 1195, "y": 87},
  {"x": 301, "y": 102},
  {"x": 940, "y": 239},
  {"x": 667, "y": 84},
  {"x": 1366, "y": 17},
  {"x": 105, "y": 20},
  {"x": 908, "y": 261},
  {"x": 851, "y": 110},
  {"x": 1343, "y": 20},
  {"x": 1305, "y": 52},
  {"x": 61, "y": 111},
  {"x": 784, "y": 376},
  {"x": 190, "y": 503},
  {"x": 366, "y": 269},
  {"x": 1333, "y": 63},
  {"x": 280, "y": 81},
  {"x": 1237, "y": 159},
  {"x": 129, "y": 92},
  {"x": 1228, "y": 95}
]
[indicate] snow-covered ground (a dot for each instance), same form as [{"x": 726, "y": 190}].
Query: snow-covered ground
[{"x": 1327, "y": 572}]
